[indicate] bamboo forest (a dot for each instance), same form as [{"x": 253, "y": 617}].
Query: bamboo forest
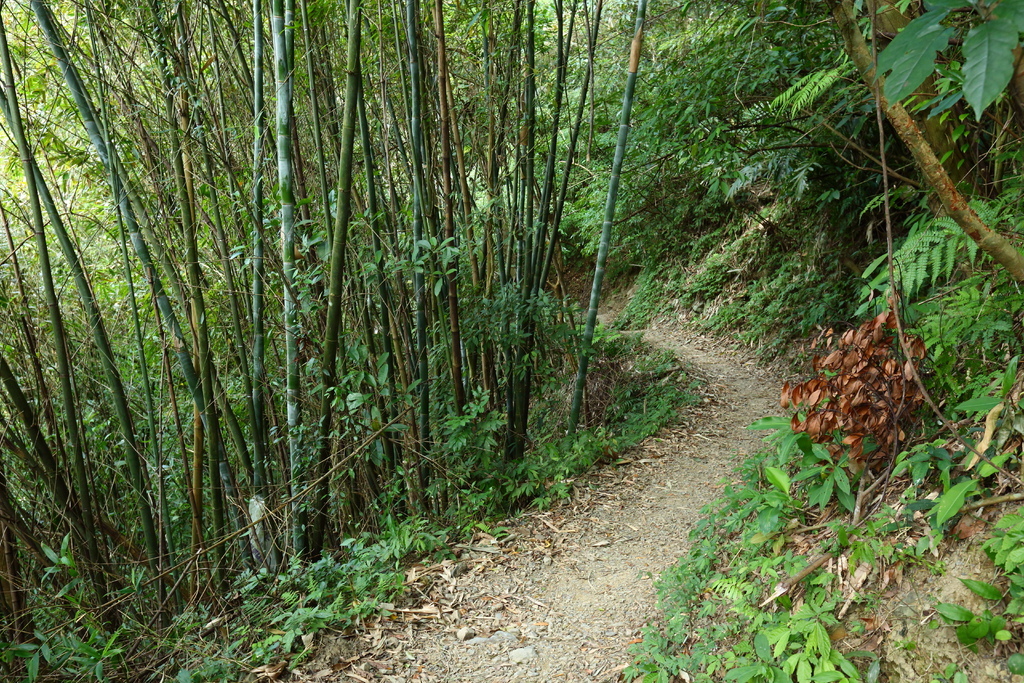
[{"x": 319, "y": 320}]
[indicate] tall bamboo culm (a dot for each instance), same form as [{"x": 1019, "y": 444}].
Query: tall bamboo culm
[{"x": 609, "y": 217}]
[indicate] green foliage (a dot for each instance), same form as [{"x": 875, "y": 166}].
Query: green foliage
[
  {"x": 825, "y": 476},
  {"x": 653, "y": 286},
  {"x": 970, "y": 627},
  {"x": 810, "y": 88},
  {"x": 950, "y": 675},
  {"x": 987, "y": 50},
  {"x": 712, "y": 597},
  {"x": 87, "y": 649},
  {"x": 925, "y": 258},
  {"x": 949, "y": 503},
  {"x": 629, "y": 401},
  {"x": 988, "y": 61},
  {"x": 768, "y": 280},
  {"x": 274, "y": 612},
  {"x": 709, "y": 149},
  {"x": 922, "y": 460},
  {"x": 1006, "y": 550},
  {"x": 911, "y": 54},
  {"x": 968, "y": 317}
]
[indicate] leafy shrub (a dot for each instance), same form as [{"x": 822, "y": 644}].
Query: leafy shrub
[{"x": 1006, "y": 550}]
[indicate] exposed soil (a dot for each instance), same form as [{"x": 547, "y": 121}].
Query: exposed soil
[{"x": 567, "y": 591}]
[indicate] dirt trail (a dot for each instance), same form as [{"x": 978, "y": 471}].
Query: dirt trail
[{"x": 564, "y": 596}]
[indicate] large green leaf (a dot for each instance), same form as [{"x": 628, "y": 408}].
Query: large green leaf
[
  {"x": 827, "y": 677},
  {"x": 954, "y": 612},
  {"x": 988, "y": 62},
  {"x": 762, "y": 647},
  {"x": 770, "y": 423},
  {"x": 778, "y": 478},
  {"x": 983, "y": 589},
  {"x": 1012, "y": 10},
  {"x": 981, "y": 403},
  {"x": 744, "y": 673},
  {"x": 1009, "y": 375},
  {"x": 911, "y": 54},
  {"x": 950, "y": 502}
]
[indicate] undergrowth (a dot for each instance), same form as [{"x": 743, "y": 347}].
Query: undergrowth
[
  {"x": 271, "y": 618},
  {"x": 868, "y": 508},
  {"x": 715, "y": 622},
  {"x": 724, "y": 621},
  {"x": 752, "y": 277}
]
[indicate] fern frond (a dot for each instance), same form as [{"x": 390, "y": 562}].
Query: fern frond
[{"x": 808, "y": 89}]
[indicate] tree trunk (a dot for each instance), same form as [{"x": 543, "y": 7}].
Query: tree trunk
[{"x": 954, "y": 202}]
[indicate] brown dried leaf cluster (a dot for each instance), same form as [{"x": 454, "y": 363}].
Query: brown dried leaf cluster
[{"x": 863, "y": 393}]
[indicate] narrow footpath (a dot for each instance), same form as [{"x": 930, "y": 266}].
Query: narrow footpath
[{"x": 564, "y": 595}]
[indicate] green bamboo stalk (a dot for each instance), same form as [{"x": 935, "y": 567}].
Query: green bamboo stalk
[
  {"x": 282, "y": 18},
  {"x": 247, "y": 83},
  {"x": 259, "y": 427},
  {"x": 227, "y": 271},
  {"x": 386, "y": 308},
  {"x": 109, "y": 157},
  {"x": 574, "y": 136},
  {"x": 73, "y": 427},
  {"x": 44, "y": 456},
  {"x": 451, "y": 280},
  {"x": 96, "y": 319},
  {"x": 314, "y": 103},
  {"x": 339, "y": 243},
  {"x": 176, "y": 109},
  {"x": 609, "y": 216},
  {"x": 547, "y": 189},
  {"x": 419, "y": 284}
]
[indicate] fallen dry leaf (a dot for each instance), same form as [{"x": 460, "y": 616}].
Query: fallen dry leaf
[
  {"x": 270, "y": 672},
  {"x": 968, "y": 526}
]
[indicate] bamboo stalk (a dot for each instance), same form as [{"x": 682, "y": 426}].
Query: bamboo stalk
[
  {"x": 282, "y": 18},
  {"x": 72, "y": 424},
  {"x": 609, "y": 216}
]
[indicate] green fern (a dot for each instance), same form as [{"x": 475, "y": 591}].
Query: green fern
[
  {"x": 929, "y": 255},
  {"x": 810, "y": 88},
  {"x": 737, "y": 591},
  {"x": 926, "y": 258}
]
